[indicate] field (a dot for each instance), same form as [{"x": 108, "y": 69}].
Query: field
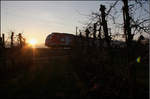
[{"x": 56, "y": 73}]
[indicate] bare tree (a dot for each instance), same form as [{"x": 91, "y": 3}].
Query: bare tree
[
  {"x": 104, "y": 24},
  {"x": 136, "y": 24}
]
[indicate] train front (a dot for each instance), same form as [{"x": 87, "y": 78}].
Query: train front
[{"x": 59, "y": 40}]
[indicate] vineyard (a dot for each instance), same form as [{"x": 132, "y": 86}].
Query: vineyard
[
  {"x": 45, "y": 73},
  {"x": 95, "y": 66}
]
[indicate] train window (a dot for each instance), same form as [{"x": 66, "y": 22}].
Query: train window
[{"x": 62, "y": 39}]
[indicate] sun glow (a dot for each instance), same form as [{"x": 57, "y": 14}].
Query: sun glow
[{"x": 32, "y": 42}]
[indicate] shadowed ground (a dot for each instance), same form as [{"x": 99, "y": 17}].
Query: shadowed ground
[{"x": 47, "y": 73}]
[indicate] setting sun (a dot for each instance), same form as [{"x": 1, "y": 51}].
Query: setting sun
[{"x": 32, "y": 41}]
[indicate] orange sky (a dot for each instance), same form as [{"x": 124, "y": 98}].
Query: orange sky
[{"x": 37, "y": 19}]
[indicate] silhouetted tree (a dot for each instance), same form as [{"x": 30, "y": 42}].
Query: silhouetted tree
[
  {"x": 12, "y": 39},
  {"x": 21, "y": 40},
  {"x": 104, "y": 24},
  {"x": 87, "y": 33},
  {"x": 80, "y": 33},
  {"x": 94, "y": 30},
  {"x": 1, "y": 44},
  {"x": 3, "y": 40},
  {"x": 127, "y": 26}
]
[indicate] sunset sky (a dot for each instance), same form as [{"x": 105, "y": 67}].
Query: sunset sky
[{"x": 37, "y": 19}]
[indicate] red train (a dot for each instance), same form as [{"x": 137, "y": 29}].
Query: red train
[{"x": 59, "y": 40}]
